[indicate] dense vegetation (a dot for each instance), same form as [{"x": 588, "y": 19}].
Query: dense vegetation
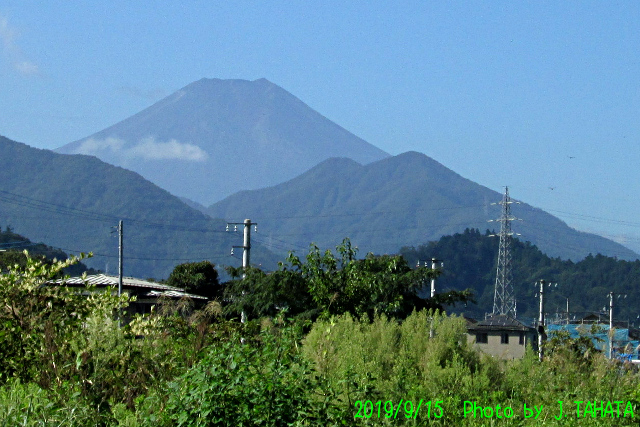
[
  {"x": 470, "y": 260},
  {"x": 67, "y": 362},
  {"x": 326, "y": 284}
]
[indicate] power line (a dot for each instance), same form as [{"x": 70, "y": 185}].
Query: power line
[{"x": 45, "y": 206}]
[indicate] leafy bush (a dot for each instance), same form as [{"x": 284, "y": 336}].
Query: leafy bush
[
  {"x": 29, "y": 405},
  {"x": 262, "y": 381}
]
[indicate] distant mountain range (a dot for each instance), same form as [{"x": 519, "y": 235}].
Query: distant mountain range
[
  {"x": 406, "y": 200},
  {"x": 303, "y": 179},
  {"x": 215, "y": 137},
  {"x": 74, "y": 202}
]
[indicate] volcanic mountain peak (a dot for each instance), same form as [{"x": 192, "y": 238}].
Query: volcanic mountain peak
[{"x": 215, "y": 137}]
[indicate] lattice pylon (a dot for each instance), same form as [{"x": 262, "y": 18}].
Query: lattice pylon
[{"x": 504, "y": 301}]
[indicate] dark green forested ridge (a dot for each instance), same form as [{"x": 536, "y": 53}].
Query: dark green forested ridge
[
  {"x": 12, "y": 247},
  {"x": 74, "y": 201},
  {"x": 470, "y": 261}
]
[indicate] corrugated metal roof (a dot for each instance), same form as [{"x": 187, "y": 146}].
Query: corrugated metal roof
[
  {"x": 173, "y": 294},
  {"x": 104, "y": 280}
]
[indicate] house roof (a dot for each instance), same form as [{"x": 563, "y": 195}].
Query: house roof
[
  {"x": 142, "y": 288},
  {"x": 499, "y": 322}
]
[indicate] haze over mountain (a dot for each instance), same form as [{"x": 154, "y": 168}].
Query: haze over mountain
[
  {"x": 215, "y": 137},
  {"x": 406, "y": 200},
  {"x": 74, "y": 202}
]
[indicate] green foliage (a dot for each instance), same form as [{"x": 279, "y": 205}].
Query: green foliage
[
  {"x": 266, "y": 294},
  {"x": 579, "y": 351},
  {"x": 29, "y": 405},
  {"x": 328, "y": 284},
  {"x": 39, "y": 320},
  {"x": 401, "y": 360},
  {"x": 263, "y": 381},
  {"x": 68, "y": 361},
  {"x": 200, "y": 278}
]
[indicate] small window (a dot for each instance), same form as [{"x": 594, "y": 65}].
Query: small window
[
  {"x": 482, "y": 338},
  {"x": 504, "y": 338},
  {"x": 521, "y": 342}
]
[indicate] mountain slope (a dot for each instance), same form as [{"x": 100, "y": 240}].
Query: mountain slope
[
  {"x": 74, "y": 202},
  {"x": 405, "y": 200},
  {"x": 215, "y": 137}
]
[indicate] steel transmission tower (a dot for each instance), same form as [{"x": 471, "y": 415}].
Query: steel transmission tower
[{"x": 504, "y": 301}]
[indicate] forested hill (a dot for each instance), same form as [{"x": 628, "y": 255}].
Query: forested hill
[
  {"x": 74, "y": 203},
  {"x": 12, "y": 247},
  {"x": 470, "y": 260},
  {"x": 402, "y": 200}
]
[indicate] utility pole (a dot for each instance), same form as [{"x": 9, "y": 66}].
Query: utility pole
[
  {"x": 120, "y": 257},
  {"x": 434, "y": 266},
  {"x": 541, "y": 323},
  {"x": 246, "y": 250},
  {"x": 610, "y": 323},
  {"x": 504, "y": 301},
  {"x": 246, "y": 243},
  {"x": 246, "y": 254},
  {"x": 611, "y": 332}
]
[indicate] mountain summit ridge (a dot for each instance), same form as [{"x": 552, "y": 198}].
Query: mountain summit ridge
[{"x": 405, "y": 200}]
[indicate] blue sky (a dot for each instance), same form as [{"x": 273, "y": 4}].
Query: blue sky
[{"x": 541, "y": 96}]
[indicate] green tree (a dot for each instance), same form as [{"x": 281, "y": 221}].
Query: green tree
[
  {"x": 326, "y": 284},
  {"x": 200, "y": 278},
  {"x": 261, "y": 294},
  {"x": 372, "y": 286}
]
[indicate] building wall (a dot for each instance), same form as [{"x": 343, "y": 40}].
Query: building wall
[{"x": 496, "y": 348}]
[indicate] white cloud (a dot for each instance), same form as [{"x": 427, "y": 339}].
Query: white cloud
[
  {"x": 95, "y": 147},
  {"x": 149, "y": 149},
  {"x": 145, "y": 149},
  {"x": 12, "y": 51},
  {"x": 7, "y": 35},
  {"x": 27, "y": 68}
]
